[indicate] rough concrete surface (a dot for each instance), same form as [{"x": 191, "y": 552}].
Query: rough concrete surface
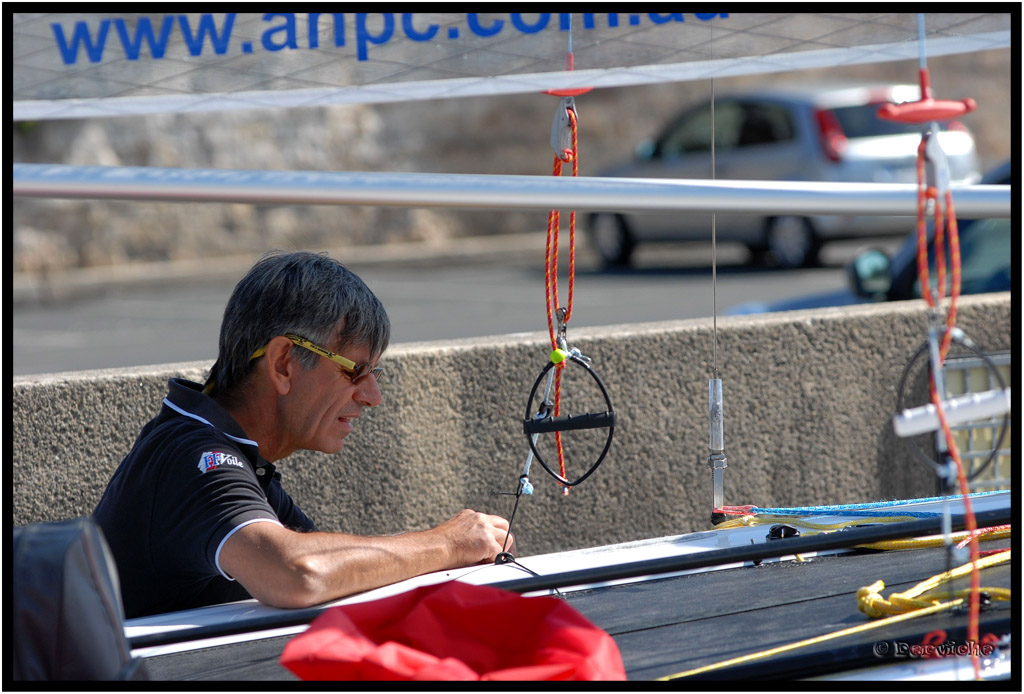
[{"x": 808, "y": 399}]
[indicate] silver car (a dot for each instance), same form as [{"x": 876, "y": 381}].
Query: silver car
[{"x": 786, "y": 133}]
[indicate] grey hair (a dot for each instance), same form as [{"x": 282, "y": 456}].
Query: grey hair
[{"x": 309, "y": 294}]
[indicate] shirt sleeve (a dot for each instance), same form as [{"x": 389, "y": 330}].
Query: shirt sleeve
[{"x": 210, "y": 491}]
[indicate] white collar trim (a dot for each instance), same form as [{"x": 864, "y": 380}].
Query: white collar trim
[{"x": 196, "y": 417}]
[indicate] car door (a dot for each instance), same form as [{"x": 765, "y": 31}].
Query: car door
[
  {"x": 764, "y": 147},
  {"x": 684, "y": 151},
  {"x": 754, "y": 140}
]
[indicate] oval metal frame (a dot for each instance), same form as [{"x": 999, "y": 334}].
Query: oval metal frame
[{"x": 609, "y": 414}]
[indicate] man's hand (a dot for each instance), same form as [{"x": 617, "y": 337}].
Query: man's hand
[{"x": 474, "y": 538}]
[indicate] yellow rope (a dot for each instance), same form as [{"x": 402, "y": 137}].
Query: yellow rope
[
  {"x": 909, "y": 608},
  {"x": 936, "y": 540},
  {"x": 871, "y": 602},
  {"x": 915, "y": 543},
  {"x": 752, "y": 520}
]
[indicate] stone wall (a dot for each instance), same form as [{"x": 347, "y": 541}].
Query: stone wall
[{"x": 809, "y": 397}]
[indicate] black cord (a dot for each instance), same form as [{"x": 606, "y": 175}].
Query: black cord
[
  {"x": 506, "y": 557},
  {"x": 511, "y": 519},
  {"x": 514, "y": 562}
]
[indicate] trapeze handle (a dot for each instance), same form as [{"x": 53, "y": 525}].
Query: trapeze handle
[
  {"x": 926, "y": 110},
  {"x": 965, "y": 408},
  {"x": 571, "y": 422}
]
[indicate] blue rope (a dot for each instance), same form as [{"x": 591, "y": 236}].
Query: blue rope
[
  {"x": 856, "y": 509},
  {"x": 855, "y": 514}
]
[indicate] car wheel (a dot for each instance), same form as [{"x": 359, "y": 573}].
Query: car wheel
[
  {"x": 792, "y": 242},
  {"x": 612, "y": 239}
]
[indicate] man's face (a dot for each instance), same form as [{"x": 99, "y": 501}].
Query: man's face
[{"x": 324, "y": 404}]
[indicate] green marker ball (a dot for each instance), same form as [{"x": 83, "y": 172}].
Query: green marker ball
[{"x": 558, "y": 356}]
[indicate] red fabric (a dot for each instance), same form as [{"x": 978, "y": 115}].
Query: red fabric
[{"x": 454, "y": 631}]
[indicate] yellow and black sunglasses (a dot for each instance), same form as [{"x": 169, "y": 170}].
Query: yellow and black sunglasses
[{"x": 355, "y": 371}]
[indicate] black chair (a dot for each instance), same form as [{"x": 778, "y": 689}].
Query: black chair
[{"x": 68, "y": 618}]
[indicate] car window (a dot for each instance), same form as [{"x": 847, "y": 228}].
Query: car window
[
  {"x": 985, "y": 258},
  {"x": 737, "y": 124},
  {"x": 692, "y": 133},
  {"x": 764, "y": 124}
]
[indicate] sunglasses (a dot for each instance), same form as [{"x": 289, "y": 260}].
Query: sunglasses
[{"x": 355, "y": 371}]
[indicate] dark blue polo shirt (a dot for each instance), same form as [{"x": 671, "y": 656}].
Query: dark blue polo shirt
[{"x": 190, "y": 481}]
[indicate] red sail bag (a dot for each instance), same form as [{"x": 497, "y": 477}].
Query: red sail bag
[{"x": 454, "y": 631}]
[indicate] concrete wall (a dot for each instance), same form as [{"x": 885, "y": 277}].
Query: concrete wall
[{"x": 809, "y": 398}]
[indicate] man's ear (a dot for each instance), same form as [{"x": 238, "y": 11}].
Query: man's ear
[{"x": 281, "y": 364}]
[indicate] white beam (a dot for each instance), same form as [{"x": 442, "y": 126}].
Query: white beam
[{"x": 490, "y": 191}]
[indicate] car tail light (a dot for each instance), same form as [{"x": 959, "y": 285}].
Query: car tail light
[{"x": 833, "y": 139}]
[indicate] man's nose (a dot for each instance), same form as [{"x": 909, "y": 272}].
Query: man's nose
[{"x": 368, "y": 391}]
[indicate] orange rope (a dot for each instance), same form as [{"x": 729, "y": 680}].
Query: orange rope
[
  {"x": 954, "y": 251},
  {"x": 551, "y": 277},
  {"x": 926, "y": 193},
  {"x": 922, "y": 228},
  {"x": 943, "y": 224}
]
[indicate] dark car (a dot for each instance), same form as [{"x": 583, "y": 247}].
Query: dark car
[
  {"x": 806, "y": 132},
  {"x": 986, "y": 259}
]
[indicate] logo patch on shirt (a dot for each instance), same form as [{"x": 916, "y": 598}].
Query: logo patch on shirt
[{"x": 211, "y": 460}]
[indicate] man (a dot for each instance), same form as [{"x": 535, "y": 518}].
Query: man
[{"x": 196, "y": 514}]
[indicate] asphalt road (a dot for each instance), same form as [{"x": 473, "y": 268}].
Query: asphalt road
[{"x": 128, "y": 325}]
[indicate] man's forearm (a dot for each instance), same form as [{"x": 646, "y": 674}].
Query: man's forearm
[{"x": 288, "y": 569}]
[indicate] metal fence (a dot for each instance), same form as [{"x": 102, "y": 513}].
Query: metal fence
[{"x": 976, "y": 440}]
